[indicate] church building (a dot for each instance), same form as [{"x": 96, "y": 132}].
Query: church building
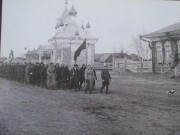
[{"x": 68, "y": 38}]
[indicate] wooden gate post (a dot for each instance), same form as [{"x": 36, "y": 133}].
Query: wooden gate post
[
  {"x": 141, "y": 67},
  {"x": 125, "y": 63}
]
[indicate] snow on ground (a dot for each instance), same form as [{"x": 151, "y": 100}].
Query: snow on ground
[{"x": 137, "y": 104}]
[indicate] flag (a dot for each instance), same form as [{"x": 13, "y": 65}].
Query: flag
[{"x": 78, "y": 51}]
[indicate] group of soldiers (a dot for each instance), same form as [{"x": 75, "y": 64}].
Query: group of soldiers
[{"x": 55, "y": 76}]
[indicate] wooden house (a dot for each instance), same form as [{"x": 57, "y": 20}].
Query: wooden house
[{"x": 165, "y": 46}]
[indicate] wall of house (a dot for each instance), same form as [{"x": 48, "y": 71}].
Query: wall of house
[{"x": 163, "y": 53}]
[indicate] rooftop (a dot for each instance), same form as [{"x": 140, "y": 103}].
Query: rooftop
[{"x": 172, "y": 30}]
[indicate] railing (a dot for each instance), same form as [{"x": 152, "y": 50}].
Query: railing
[
  {"x": 100, "y": 66},
  {"x": 165, "y": 68},
  {"x": 177, "y": 71},
  {"x": 134, "y": 67}
]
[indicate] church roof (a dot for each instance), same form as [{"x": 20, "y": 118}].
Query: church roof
[
  {"x": 68, "y": 28},
  {"x": 45, "y": 47},
  {"x": 73, "y": 11},
  {"x": 172, "y": 29},
  {"x": 105, "y": 57},
  {"x": 65, "y": 13}
]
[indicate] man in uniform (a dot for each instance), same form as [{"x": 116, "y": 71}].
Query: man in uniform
[{"x": 105, "y": 75}]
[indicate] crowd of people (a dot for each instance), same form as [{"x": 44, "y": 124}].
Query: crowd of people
[{"x": 55, "y": 76}]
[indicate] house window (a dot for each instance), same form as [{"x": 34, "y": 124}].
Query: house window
[
  {"x": 168, "y": 52},
  {"x": 159, "y": 52},
  {"x": 178, "y": 44}
]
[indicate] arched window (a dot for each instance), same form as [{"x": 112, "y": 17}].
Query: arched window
[
  {"x": 168, "y": 52},
  {"x": 159, "y": 52}
]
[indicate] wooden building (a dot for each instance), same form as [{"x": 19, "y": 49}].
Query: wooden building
[{"x": 165, "y": 46}]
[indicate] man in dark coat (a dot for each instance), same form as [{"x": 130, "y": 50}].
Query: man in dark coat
[
  {"x": 31, "y": 74},
  {"x": 37, "y": 74},
  {"x": 81, "y": 76},
  {"x": 24, "y": 72},
  {"x": 105, "y": 75},
  {"x": 74, "y": 77},
  {"x": 67, "y": 77},
  {"x": 94, "y": 82},
  {"x": 18, "y": 70},
  {"x": 63, "y": 76},
  {"x": 43, "y": 76}
]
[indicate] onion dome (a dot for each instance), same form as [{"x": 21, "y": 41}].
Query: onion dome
[
  {"x": 61, "y": 23},
  {"x": 77, "y": 33},
  {"x": 73, "y": 11},
  {"x": 88, "y": 25}
]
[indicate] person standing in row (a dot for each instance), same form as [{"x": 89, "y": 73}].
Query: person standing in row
[
  {"x": 37, "y": 74},
  {"x": 43, "y": 76},
  {"x": 51, "y": 77},
  {"x": 63, "y": 76},
  {"x": 105, "y": 75},
  {"x": 58, "y": 73},
  {"x": 89, "y": 77},
  {"x": 67, "y": 77},
  {"x": 74, "y": 77},
  {"x": 82, "y": 76}
]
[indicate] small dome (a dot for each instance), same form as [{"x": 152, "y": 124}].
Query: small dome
[
  {"x": 73, "y": 11},
  {"x": 88, "y": 25},
  {"x": 77, "y": 33},
  {"x": 61, "y": 23}
]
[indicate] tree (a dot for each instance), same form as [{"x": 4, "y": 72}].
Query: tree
[{"x": 142, "y": 49}]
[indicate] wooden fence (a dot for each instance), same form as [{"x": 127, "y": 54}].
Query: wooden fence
[
  {"x": 100, "y": 66},
  {"x": 134, "y": 66}
]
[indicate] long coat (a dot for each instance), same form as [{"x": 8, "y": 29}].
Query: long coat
[
  {"x": 51, "y": 77},
  {"x": 89, "y": 77}
]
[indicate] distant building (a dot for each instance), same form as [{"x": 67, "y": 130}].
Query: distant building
[{"x": 165, "y": 46}]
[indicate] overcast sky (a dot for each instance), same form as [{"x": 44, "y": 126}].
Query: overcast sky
[{"x": 29, "y": 23}]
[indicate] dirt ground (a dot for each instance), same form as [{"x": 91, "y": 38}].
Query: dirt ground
[{"x": 138, "y": 104}]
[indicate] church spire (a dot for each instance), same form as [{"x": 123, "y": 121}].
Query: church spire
[{"x": 65, "y": 13}]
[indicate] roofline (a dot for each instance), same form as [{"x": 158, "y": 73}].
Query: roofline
[
  {"x": 162, "y": 34},
  {"x": 73, "y": 40}
]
